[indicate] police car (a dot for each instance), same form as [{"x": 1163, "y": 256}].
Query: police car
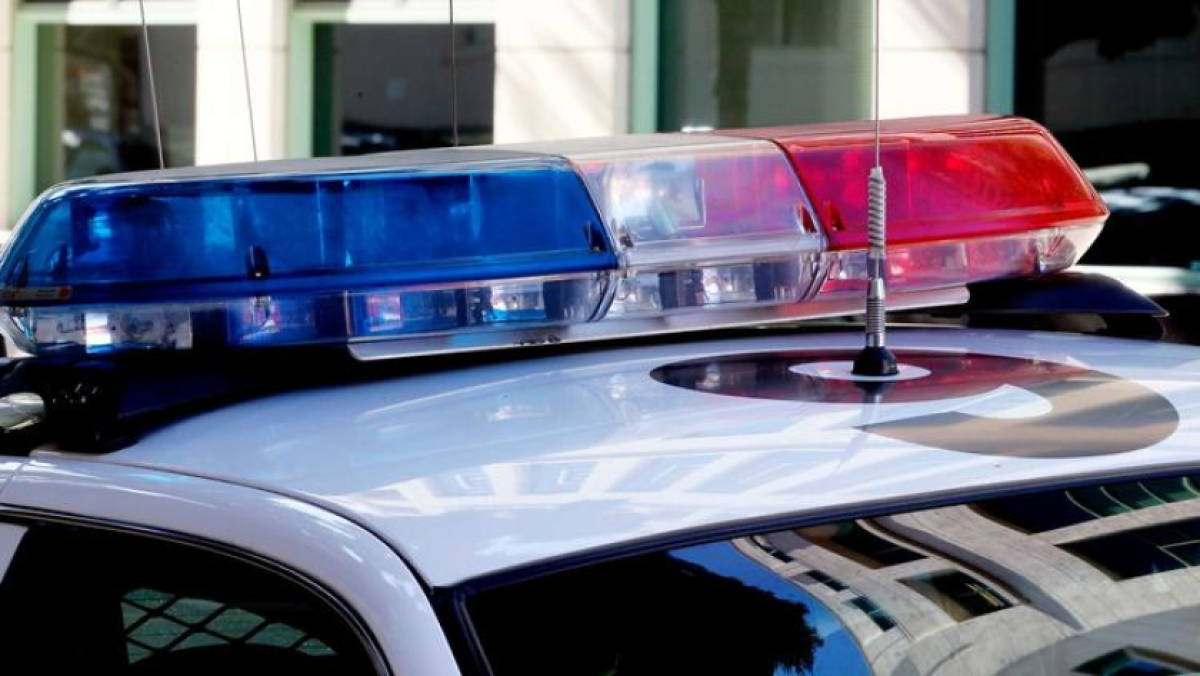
[{"x": 498, "y": 411}]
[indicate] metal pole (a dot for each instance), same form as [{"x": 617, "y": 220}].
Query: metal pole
[
  {"x": 246, "y": 78},
  {"x": 158, "y": 135}
]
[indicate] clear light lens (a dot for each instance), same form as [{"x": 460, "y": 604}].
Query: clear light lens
[
  {"x": 532, "y": 302},
  {"x": 21, "y": 410},
  {"x": 939, "y": 265},
  {"x": 709, "y": 223},
  {"x": 762, "y": 282},
  {"x": 300, "y": 319},
  {"x": 714, "y": 198},
  {"x": 214, "y": 238}
]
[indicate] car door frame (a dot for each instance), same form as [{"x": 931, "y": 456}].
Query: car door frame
[{"x": 361, "y": 577}]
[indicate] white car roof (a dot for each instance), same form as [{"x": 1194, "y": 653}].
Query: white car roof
[{"x": 475, "y": 471}]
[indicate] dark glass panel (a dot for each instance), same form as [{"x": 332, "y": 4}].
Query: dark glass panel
[
  {"x": 708, "y": 609},
  {"x": 960, "y": 595},
  {"x": 852, "y": 540}
]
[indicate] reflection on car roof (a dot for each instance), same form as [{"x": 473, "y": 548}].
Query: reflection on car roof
[{"x": 525, "y": 461}]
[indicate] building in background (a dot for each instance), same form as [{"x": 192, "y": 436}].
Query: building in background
[
  {"x": 1097, "y": 580},
  {"x": 331, "y": 77},
  {"x": 1118, "y": 87},
  {"x": 1092, "y": 580}
]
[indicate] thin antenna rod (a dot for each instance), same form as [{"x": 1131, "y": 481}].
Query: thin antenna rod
[
  {"x": 246, "y": 78},
  {"x": 158, "y": 135},
  {"x": 875, "y": 88},
  {"x": 453, "y": 76},
  {"x": 876, "y": 360}
]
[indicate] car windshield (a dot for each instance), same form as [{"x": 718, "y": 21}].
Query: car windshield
[{"x": 1093, "y": 579}]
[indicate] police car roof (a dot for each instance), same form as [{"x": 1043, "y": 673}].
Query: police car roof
[{"x": 475, "y": 471}]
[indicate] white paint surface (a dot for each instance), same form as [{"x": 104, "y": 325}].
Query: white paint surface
[{"x": 475, "y": 471}]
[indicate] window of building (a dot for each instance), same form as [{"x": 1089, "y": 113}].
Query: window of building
[
  {"x": 84, "y": 601},
  {"x": 827, "y": 580},
  {"x": 1135, "y": 662},
  {"x": 1058, "y": 509},
  {"x": 877, "y": 615},
  {"x": 770, "y": 549},
  {"x": 382, "y": 87},
  {"x": 851, "y": 540},
  {"x": 1117, "y": 88},
  {"x": 737, "y": 63},
  {"x": 1144, "y": 551},
  {"x": 961, "y": 596},
  {"x": 95, "y": 114}
]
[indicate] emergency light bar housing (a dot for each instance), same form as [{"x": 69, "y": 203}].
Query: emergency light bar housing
[{"x": 465, "y": 249}]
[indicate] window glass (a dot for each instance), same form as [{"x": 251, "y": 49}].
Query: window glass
[
  {"x": 708, "y": 609},
  {"x": 738, "y": 63},
  {"x": 854, "y": 541},
  {"x": 1132, "y": 662},
  {"x": 1036, "y": 514},
  {"x": 960, "y": 596},
  {"x": 877, "y": 615},
  {"x": 1144, "y": 551},
  {"x": 84, "y": 601},
  {"x": 1111, "y": 591},
  {"x": 821, "y": 578},
  {"x": 1117, "y": 87},
  {"x": 388, "y": 87},
  {"x": 94, "y": 107},
  {"x": 771, "y": 550},
  {"x": 1060, "y": 509}
]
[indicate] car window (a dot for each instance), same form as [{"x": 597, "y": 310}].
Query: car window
[
  {"x": 708, "y": 609},
  {"x": 1090, "y": 579},
  {"x": 79, "y": 600}
]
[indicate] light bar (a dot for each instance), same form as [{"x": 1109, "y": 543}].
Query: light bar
[
  {"x": 700, "y": 221},
  {"x": 479, "y": 248},
  {"x": 281, "y": 258},
  {"x": 970, "y": 198}
]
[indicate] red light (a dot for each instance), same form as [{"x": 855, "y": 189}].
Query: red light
[
  {"x": 949, "y": 178},
  {"x": 947, "y": 264}
]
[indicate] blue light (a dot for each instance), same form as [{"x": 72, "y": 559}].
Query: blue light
[{"x": 248, "y": 237}]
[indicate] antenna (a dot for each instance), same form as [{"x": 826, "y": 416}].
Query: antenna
[
  {"x": 453, "y": 76},
  {"x": 158, "y": 135},
  {"x": 876, "y": 360},
  {"x": 246, "y": 78}
]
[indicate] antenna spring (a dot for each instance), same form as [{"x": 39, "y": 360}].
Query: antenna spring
[
  {"x": 876, "y": 317},
  {"x": 877, "y": 258},
  {"x": 877, "y": 211},
  {"x": 876, "y": 360}
]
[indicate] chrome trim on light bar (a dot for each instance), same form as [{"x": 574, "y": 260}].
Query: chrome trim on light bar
[{"x": 641, "y": 327}]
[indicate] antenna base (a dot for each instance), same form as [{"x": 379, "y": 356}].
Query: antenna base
[{"x": 876, "y": 362}]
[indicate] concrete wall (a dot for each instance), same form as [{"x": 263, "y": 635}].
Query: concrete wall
[
  {"x": 222, "y": 118},
  {"x": 932, "y": 57}
]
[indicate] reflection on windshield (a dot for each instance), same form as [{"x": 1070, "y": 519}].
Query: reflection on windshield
[
  {"x": 1101, "y": 580},
  {"x": 700, "y": 610},
  {"x": 1091, "y": 580}
]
